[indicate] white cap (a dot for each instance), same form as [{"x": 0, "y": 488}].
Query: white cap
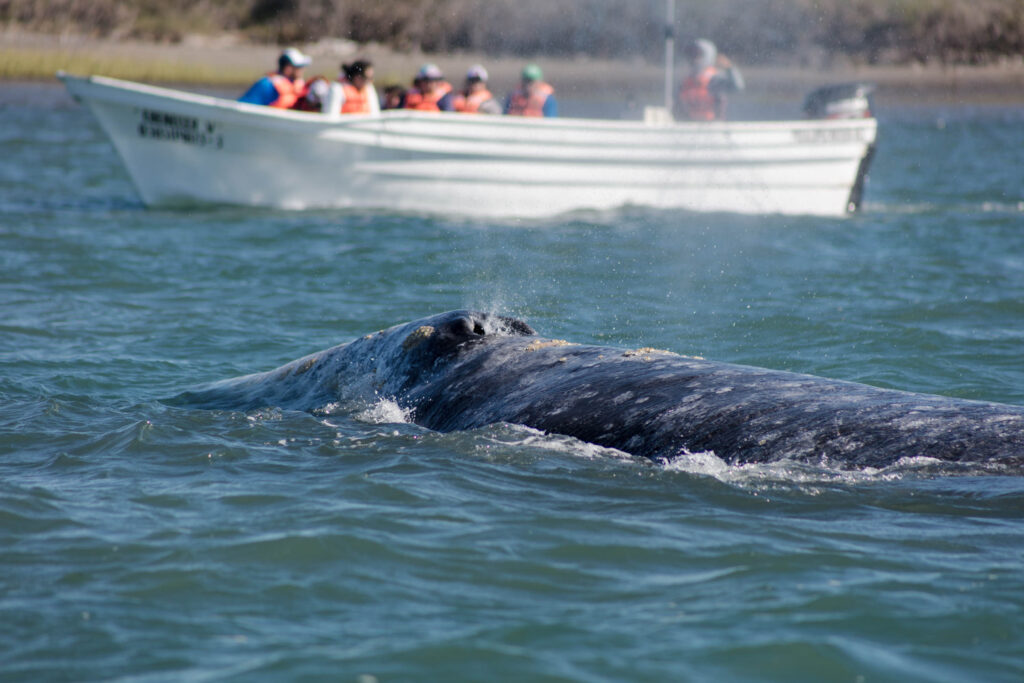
[
  {"x": 430, "y": 71},
  {"x": 702, "y": 52},
  {"x": 295, "y": 58},
  {"x": 476, "y": 72}
]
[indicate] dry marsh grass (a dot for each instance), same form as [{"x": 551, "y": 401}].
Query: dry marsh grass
[
  {"x": 235, "y": 64},
  {"x": 23, "y": 64}
]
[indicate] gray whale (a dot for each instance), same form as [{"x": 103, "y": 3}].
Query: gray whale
[{"x": 463, "y": 370}]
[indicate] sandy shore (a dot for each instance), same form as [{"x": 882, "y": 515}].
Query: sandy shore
[{"x": 231, "y": 62}]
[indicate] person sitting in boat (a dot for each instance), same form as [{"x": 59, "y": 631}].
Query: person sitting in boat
[
  {"x": 393, "y": 98},
  {"x": 702, "y": 96},
  {"x": 475, "y": 98},
  {"x": 358, "y": 94},
  {"x": 430, "y": 92},
  {"x": 316, "y": 95},
  {"x": 534, "y": 97},
  {"x": 284, "y": 88}
]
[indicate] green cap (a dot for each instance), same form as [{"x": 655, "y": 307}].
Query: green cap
[{"x": 532, "y": 72}]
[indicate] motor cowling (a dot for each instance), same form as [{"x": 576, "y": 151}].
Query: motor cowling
[{"x": 840, "y": 101}]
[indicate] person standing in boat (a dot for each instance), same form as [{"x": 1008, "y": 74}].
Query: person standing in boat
[
  {"x": 358, "y": 96},
  {"x": 534, "y": 97},
  {"x": 282, "y": 89},
  {"x": 475, "y": 98},
  {"x": 430, "y": 92},
  {"x": 702, "y": 96}
]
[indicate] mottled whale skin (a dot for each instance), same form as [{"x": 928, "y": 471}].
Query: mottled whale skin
[{"x": 463, "y": 370}]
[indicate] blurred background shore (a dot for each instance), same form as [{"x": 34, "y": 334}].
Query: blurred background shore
[
  {"x": 915, "y": 51},
  {"x": 229, "y": 63}
]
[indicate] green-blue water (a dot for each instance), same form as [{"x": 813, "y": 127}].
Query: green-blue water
[{"x": 144, "y": 542}]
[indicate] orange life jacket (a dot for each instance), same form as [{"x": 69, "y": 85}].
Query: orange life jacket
[
  {"x": 288, "y": 92},
  {"x": 470, "y": 104},
  {"x": 523, "y": 104},
  {"x": 699, "y": 104},
  {"x": 416, "y": 99},
  {"x": 356, "y": 101}
]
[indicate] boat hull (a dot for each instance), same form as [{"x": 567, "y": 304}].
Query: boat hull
[{"x": 180, "y": 146}]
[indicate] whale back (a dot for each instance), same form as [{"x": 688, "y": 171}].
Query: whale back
[
  {"x": 385, "y": 363},
  {"x": 660, "y": 405},
  {"x": 463, "y": 370}
]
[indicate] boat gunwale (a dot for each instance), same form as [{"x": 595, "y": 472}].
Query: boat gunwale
[{"x": 121, "y": 89}]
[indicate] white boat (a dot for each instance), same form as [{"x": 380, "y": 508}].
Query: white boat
[{"x": 183, "y": 147}]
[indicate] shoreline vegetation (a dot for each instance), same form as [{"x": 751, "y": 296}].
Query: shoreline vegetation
[
  {"x": 228, "y": 61},
  {"x": 771, "y": 32},
  {"x": 915, "y": 51}
]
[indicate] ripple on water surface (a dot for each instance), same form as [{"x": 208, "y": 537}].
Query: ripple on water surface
[{"x": 147, "y": 541}]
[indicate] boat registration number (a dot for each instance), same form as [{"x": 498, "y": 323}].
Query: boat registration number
[
  {"x": 158, "y": 125},
  {"x": 825, "y": 136}
]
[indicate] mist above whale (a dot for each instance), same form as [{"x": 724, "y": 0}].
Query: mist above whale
[{"x": 463, "y": 370}]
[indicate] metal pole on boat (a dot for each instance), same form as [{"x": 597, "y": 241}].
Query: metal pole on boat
[{"x": 670, "y": 50}]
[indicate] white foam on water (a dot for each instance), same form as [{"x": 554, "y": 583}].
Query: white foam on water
[
  {"x": 917, "y": 208},
  {"x": 1002, "y": 207},
  {"x": 514, "y": 435},
  {"x": 385, "y": 411},
  {"x": 333, "y": 408},
  {"x": 808, "y": 473},
  {"x": 784, "y": 471},
  {"x": 704, "y": 462},
  {"x": 906, "y": 464}
]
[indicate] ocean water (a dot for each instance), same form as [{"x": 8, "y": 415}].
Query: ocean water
[{"x": 141, "y": 541}]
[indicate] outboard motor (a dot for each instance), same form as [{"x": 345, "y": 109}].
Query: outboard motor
[{"x": 842, "y": 101}]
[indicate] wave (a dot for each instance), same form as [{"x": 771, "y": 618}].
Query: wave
[{"x": 997, "y": 207}]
